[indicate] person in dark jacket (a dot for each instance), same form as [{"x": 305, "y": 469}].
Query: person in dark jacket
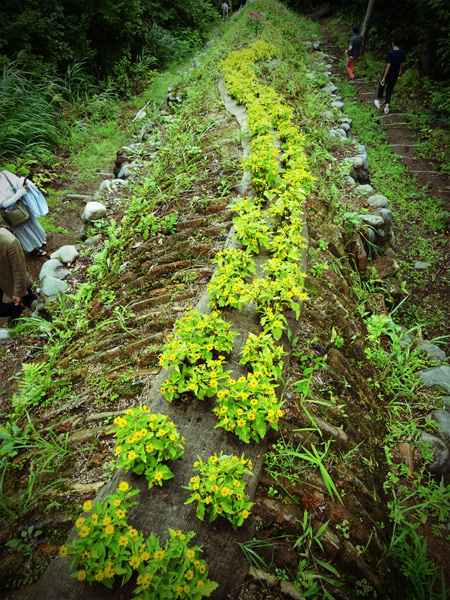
[
  {"x": 395, "y": 67},
  {"x": 15, "y": 281},
  {"x": 353, "y": 51}
]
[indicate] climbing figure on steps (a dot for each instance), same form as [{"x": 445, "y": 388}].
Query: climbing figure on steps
[
  {"x": 395, "y": 67},
  {"x": 353, "y": 51}
]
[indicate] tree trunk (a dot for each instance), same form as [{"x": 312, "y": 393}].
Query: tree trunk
[{"x": 366, "y": 23}]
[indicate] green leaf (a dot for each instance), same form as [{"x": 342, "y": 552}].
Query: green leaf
[
  {"x": 201, "y": 510},
  {"x": 208, "y": 588}
]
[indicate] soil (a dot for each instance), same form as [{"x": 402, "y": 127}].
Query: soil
[{"x": 123, "y": 363}]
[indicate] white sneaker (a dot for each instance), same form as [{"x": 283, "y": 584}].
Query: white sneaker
[
  {"x": 386, "y": 111},
  {"x": 377, "y": 103}
]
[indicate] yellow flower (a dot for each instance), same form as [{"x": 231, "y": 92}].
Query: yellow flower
[
  {"x": 245, "y": 513},
  {"x": 116, "y": 502},
  {"x": 120, "y": 514},
  {"x": 158, "y": 475},
  {"x": 190, "y": 554},
  {"x": 87, "y": 506},
  {"x": 161, "y": 432},
  {"x": 145, "y": 555},
  {"x": 109, "y": 529},
  {"x": 63, "y": 550},
  {"x": 149, "y": 448},
  {"x": 79, "y": 522},
  {"x": 99, "y": 576},
  {"x": 189, "y": 574},
  {"x": 196, "y": 464},
  {"x": 133, "y": 533},
  {"x": 186, "y": 589},
  {"x": 81, "y": 575},
  {"x": 179, "y": 590},
  {"x": 106, "y": 521},
  {"x": 123, "y": 541},
  {"x": 134, "y": 562},
  {"x": 159, "y": 555},
  {"x": 200, "y": 583},
  {"x": 109, "y": 570},
  {"x": 94, "y": 519},
  {"x": 84, "y": 531},
  {"x": 119, "y": 450},
  {"x": 123, "y": 486}
]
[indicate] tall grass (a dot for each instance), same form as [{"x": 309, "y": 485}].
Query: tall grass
[{"x": 27, "y": 114}]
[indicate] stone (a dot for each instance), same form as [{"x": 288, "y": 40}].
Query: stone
[
  {"x": 49, "y": 266},
  {"x": 420, "y": 265},
  {"x": 405, "y": 450},
  {"x": 338, "y": 133},
  {"x": 66, "y": 254},
  {"x": 127, "y": 170},
  {"x": 369, "y": 234},
  {"x": 328, "y": 115},
  {"x": 436, "y": 376},
  {"x": 356, "y": 162},
  {"x": 442, "y": 418},
  {"x": 385, "y": 266},
  {"x": 372, "y": 220},
  {"x": 85, "y": 488},
  {"x": 337, "y": 104},
  {"x": 391, "y": 238},
  {"x": 378, "y": 201},
  {"x": 52, "y": 286},
  {"x": 93, "y": 211},
  {"x": 350, "y": 180},
  {"x": 345, "y": 126},
  {"x": 4, "y": 334},
  {"x": 365, "y": 189},
  {"x": 287, "y": 587},
  {"x": 92, "y": 241},
  {"x": 432, "y": 350},
  {"x": 86, "y": 436},
  {"x": 386, "y": 215},
  {"x": 329, "y": 89},
  {"x": 440, "y": 462}
]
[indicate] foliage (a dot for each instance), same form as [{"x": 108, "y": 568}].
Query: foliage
[
  {"x": 27, "y": 114},
  {"x": 145, "y": 441},
  {"x": 219, "y": 488},
  {"x": 107, "y": 547},
  {"x": 172, "y": 568},
  {"x": 309, "y": 579},
  {"x": 196, "y": 353}
]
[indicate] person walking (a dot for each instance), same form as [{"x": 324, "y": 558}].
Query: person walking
[
  {"x": 225, "y": 9},
  {"x": 15, "y": 281},
  {"x": 395, "y": 67},
  {"x": 30, "y": 234},
  {"x": 353, "y": 51}
]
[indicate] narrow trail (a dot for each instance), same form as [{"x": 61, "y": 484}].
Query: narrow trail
[
  {"x": 397, "y": 126},
  {"x": 401, "y": 136}
]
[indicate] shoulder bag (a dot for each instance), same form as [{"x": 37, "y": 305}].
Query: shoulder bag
[{"x": 14, "y": 215}]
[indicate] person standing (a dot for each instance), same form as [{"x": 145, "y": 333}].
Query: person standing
[
  {"x": 353, "y": 51},
  {"x": 30, "y": 234},
  {"x": 15, "y": 281},
  {"x": 395, "y": 67},
  {"x": 225, "y": 9}
]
